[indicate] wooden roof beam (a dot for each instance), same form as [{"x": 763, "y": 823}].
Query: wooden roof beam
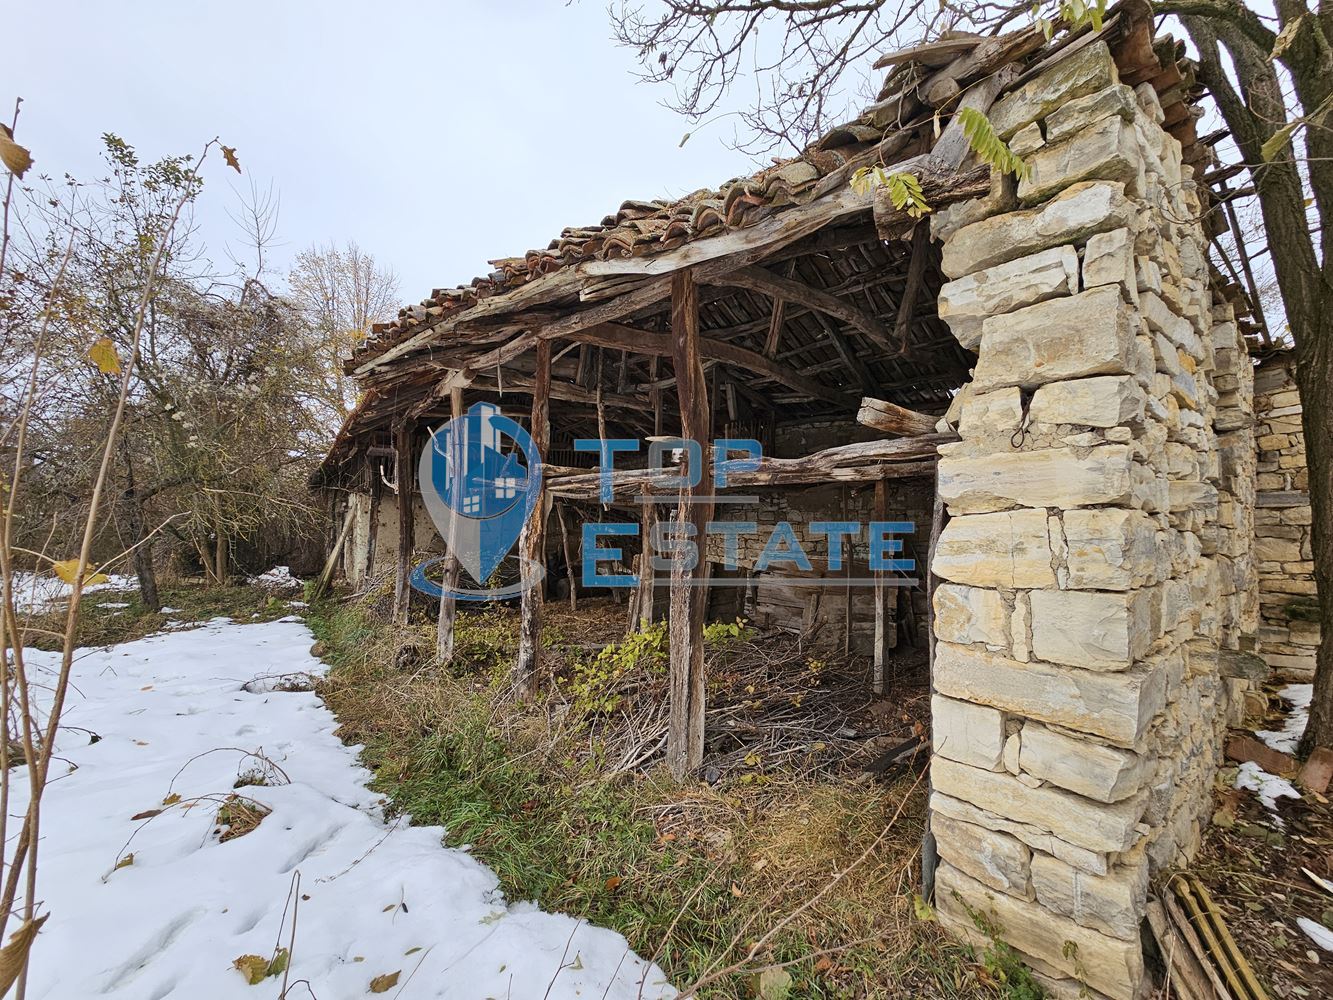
[
  {"x": 643, "y": 342},
  {"x": 757, "y": 279}
]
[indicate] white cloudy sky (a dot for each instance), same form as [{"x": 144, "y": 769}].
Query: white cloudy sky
[{"x": 435, "y": 134}]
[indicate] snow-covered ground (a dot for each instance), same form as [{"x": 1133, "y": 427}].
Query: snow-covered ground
[
  {"x": 39, "y": 591},
  {"x": 375, "y": 898}
]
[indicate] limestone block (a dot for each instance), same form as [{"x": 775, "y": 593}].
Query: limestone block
[
  {"x": 986, "y": 413},
  {"x": 1108, "y": 259},
  {"x": 998, "y": 860},
  {"x": 1101, "y": 401},
  {"x": 1107, "y": 774},
  {"x": 1094, "y": 826},
  {"x": 970, "y": 614},
  {"x": 1115, "y": 705},
  {"x": 1149, "y": 102},
  {"x": 1107, "y": 150},
  {"x": 1111, "y": 548},
  {"x": 1055, "y": 477},
  {"x": 1027, "y": 140},
  {"x": 964, "y": 303},
  {"x": 1162, "y": 320},
  {"x": 968, "y": 733},
  {"x": 1113, "y": 903},
  {"x": 1007, "y": 549},
  {"x": 1087, "y": 334},
  {"x": 1092, "y": 629},
  {"x": 1069, "y": 217},
  {"x": 1109, "y": 965},
  {"x": 1039, "y": 840},
  {"x": 1089, "y": 70},
  {"x": 1077, "y": 114}
]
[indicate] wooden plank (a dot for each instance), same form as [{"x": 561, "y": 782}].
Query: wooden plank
[
  {"x": 685, "y": 718},
  {"x": 444, "y": 624},
  {"x": 849, "y": 357},
  {"x": 775, "y": 322},
  {"x": 646, "y": 342},
  {"x": 643, "y": 603},
  {"x": 893, "y": 419},
  {"x": 405, "y": 478},
  {"x": 916, "y": 273},
  {"x": 756, "y": 279},
  {"x": 569, "y": 558},
  {"x": 937, "y": 53},
  {"x": 531, "y": 541}
]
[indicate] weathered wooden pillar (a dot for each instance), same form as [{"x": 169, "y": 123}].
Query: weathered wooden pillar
[
  {"x": 406, "y": 480},
  {"x": 373, "y": 525},
  {"x": 531, "y": 544},
  {"x": 444, "y": 628},
  {"x": 569, "y": 558},
  {"x": 685, "y": 732},
  {"x": 883, "y": 627},
  {"x": 642, "y": 603}
]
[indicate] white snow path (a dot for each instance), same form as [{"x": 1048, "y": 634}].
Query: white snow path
[{"x": 171, "y": 923}]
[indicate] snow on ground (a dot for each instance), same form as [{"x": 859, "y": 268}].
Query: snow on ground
[
  {"x": 277, "y": 578},
  {"x": 1297, "y": 696},
  {"x": 39, "y": 591},
  {"x": 376, "y": 897},
  {"x": 1269, "y": 787}
]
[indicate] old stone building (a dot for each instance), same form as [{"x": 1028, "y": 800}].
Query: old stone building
[{"x": 1060, "y": 396}]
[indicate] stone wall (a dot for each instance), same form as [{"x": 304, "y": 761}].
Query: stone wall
[
  {"x": 1095, "y": 557},
  {"x": 1289, "y": 631}
]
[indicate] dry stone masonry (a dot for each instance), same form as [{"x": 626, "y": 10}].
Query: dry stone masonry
[
  {"x": 1289, "y": 632},
  {"x": 1097, "y": 553}
]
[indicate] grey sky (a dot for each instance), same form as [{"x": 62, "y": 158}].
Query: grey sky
[{"x": 436, "y": 135}]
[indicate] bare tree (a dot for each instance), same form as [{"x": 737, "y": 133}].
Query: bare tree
[{"x": 342, "y": 291}]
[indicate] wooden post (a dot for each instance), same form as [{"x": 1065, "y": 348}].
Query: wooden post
[
  {"x": 643, "y": 602},
  {"x": 882, "y": 644},
  {"x": 531, "y": 543},
  {"x": 444, "y": 626},
  {"x": 406, "y": 478},
  {"x": 569, "y": 558},
  {"x": 373, "y": 527},
  {"x": 685, "y": 729},
  {"x": 326, "y": 577}
]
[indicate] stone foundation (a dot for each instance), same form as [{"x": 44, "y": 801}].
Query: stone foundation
[{"x": 1097, "y": 554}]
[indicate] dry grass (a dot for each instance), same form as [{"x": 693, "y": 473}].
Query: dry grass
[
  {"x": 238, "y": 816},
  {"x": 563, "y": 796}
]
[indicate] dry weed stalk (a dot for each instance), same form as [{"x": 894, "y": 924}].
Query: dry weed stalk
[{"x": 36, "y": 735}]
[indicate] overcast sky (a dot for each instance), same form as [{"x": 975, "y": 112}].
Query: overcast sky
[{"x": 435, "y": 134}]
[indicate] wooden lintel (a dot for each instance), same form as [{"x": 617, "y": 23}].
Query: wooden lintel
[{"x": 885, "y": 416}]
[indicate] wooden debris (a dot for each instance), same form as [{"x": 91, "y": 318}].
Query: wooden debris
[{"x": 1242, "y": 748}]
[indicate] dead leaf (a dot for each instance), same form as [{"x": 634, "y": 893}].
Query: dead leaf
[
  {"x": 124, "y": 862},
  {"x": 613, "y": 883},
  {"x": 253, "y": 967},
  {"x": 15, "y": 157},
  {"x": 229, "y": 154},
  {"x": 146, "y": 814},
  {"x": 772, "y": 984},
  {"x": 824, "y": 964},
  {"x": 278, "y": 964},
  {"x": 14, "y": 955},
  {"x": 68, "y": 569},
  {"x": 103, "y": 355},
  {"x": 384, "y": 983},
  {"x": 171, "y": 799}
]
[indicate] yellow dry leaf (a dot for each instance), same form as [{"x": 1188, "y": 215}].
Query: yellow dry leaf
[
  {"x": 14, "y": 156},
  {"x": 253, "y": 967},
  {"x": 103, "y": 355},
  {"x": 124, "y": 862},
  {"x": 384, "y": 983},
  {"x": 68, "y": 569},
  {"x": 171, "y": 799},
  {"x": 14, "y": 955},
  {"x": 229, "y": 154}
]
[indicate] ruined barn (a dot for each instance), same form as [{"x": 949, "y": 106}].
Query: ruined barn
[{"x": 1050, "y": 375}]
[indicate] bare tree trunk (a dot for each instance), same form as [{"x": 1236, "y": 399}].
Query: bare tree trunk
[
  {"x": 532, "y": 541},
  {"x": 143, "y": 548},
  {"x": 220, "y": 566}
]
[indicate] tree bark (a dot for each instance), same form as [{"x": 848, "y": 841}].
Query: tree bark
[
  {"x": 444, "y": 625},
  {"x": 144, "y": 569}
]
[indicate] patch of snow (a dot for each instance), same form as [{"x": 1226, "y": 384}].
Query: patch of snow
[
  {"x": 114, "y": 604},
  {"x": 1317, "y": 933},
  {"x": 1269, "y": 787},
  {"x": 376, "y": 897},
  {"x": 277, "y": 578},
  {"x": 170, "y": 611},
  {"x": 36, "y": 592},
  {"x": 1298, "y": 697}
]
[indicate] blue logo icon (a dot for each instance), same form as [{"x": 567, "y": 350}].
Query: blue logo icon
[{"x": 479, "y": 492}]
